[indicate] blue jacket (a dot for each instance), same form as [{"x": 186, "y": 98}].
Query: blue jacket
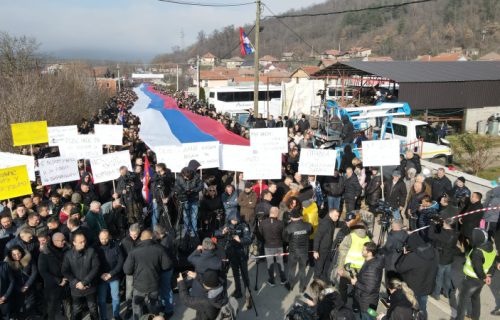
[{"x": 110, "y": 260}]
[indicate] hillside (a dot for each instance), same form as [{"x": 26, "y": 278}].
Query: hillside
[{"x": 403, "y": 33}]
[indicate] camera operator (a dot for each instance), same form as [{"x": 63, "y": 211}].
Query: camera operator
[
  {"x": 324, "y": 243},
  {"x": 373, "y": 191},
  {"x": 129, "y": 188},
  {"x": 161, "y": 188},
  {"x": 271, "y": 230},
  {"x": 238, "y": 238},
  {"x": 396, "y": 239},
  {"x": 418, "y": 267},
  {"x": 395, "y": 193},
  {"x": 417, "y": 193},
  {"x": 327, "y": 302},
  {"x": 297, "y": 234},
  {"x": 444, "y": 237},
  {"x": 187, "y": 186}
]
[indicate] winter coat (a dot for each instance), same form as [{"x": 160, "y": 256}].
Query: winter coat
[
  {"x": 400, "y": 308},
  {"x": 262, "y": 209},
  {"x": 6, "y": 280},
  {"x": 205, "y": 260},
  {"x": 439, "y": 187},
  {"x": 373, "y": 191},
  {"x": 271, "y": 230},
  {"x": 146, "y": 262},
  {"x": 323, "y": 239},
  {"x": 492, "y": 200},
  {"x": 471, "y": 221},
  {"x": 88, "y": 197},
  {"x": 209, "y": 206},
  {"x": 81, "y": 266},
  {"x": 391, "y": 250},
  {"x": 410, "y": 163},
  {"x": 161, "y": 185},
  {"x": 345, "y": 245},
  {"x": 110, "y": 260},
  {"x": 445, "y": 241},
  {"x": 346, "y": 161},
  {"x": 50, "y": 267},
  {"x": 230, "y": 203},
  {"x": 395, "y": 194},
  {"x": 366, "y": 289},
  {"x": 33, "y": 247},
  {"x": 188, "y": 190},
  {"x": 128, "y": 244},
  {"x": 38, "y": 230},
  {"x": 352, "y": 188},
  {"x": 419, "y": 268},
  {"x": 95, "y": 222},
  {"x": 333, "y": 186},
  {"x": 297, "y": 235},
  {"x": 207, "y": 307},
  {"x": 247, "y": 202},
  {"x": 25, "y": 271}
]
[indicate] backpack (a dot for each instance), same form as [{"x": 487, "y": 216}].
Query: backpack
[
  {"x": 300, "y": 312},
  {"x": 229, "y": 311}
]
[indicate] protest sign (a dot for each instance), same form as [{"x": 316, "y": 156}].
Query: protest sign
[
  {"x": 269, "y": 139},
  {"x": 107, "y": 167},
  {"x": 317, "y": 162},
  {"x": 58, "y": 134},
  {"x": 14, "y": 182},
  {"x": 27, "y": 133},
  {"x": 171, "y": 156},
  {"x": 233, "y": 157},
  {"x": 82, "y": 146},
  {"x": 11, "y": 160},
  {"x": 262, "y": 165},
  {"x": 109, "y": 134},
  {"x": 380, "y": 153},
  {"x": 177, "y": 157},
  {"x": 58, "y": 170}
]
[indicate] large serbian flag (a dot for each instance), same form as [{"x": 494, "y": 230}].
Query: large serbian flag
[{"x": 245, "y": 44}]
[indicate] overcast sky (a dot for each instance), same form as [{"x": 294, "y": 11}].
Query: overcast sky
[{"x": 122, "y": 29}]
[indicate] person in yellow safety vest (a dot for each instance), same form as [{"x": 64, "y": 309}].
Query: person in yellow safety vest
[
  {"x": 351, "y": 251},
  {"x": 478, "y": 270}
]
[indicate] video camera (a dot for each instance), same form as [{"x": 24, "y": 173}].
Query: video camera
[{"x": 386, "y": 212}]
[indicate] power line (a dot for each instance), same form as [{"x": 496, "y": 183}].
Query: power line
[
  {"x": 199, "y": 4},
  {"x": 396, "y": 5},
  {"x": 289, "y": 28}
]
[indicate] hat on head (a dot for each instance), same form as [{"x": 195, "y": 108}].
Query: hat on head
[
  {"x": 396, "y": 173},
  {"x": 210, "y": 278},
  {"x": 461, "y": 179},
  {"x": 248, "y": 184},
  {"x": 233, "y": 216}
]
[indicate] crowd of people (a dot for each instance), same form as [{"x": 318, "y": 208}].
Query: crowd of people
[{"x": 72, "y": 248}]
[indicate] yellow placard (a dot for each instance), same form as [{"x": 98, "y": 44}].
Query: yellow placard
[
  {"x": 26, "y": 133},
  {"x": 14, "y": 182}
]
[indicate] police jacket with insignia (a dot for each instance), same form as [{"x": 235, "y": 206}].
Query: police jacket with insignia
[{"x": 297, "y": 235}]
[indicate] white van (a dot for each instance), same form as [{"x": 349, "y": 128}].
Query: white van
[{"x": 421, "y": 138}]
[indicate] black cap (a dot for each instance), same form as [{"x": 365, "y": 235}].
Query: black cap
[{"x": 210, "y": 278}]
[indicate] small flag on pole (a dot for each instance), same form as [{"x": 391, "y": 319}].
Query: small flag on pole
[
  {"x": 245, "y": 44},
  {"x": 148, "y": 172}
]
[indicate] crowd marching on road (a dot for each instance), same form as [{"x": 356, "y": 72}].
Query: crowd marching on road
[{"x": 72, "y": 249}]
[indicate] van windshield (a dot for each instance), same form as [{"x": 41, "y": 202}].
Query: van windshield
[{"x": 427, "y": 133}]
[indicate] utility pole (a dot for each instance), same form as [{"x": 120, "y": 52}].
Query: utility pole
[
  {"x": 119, "y": 84},
  {"x": 256, "y": 63},
  {"x": 177, "y": 86},
  {"x": 198, "y": 77}
]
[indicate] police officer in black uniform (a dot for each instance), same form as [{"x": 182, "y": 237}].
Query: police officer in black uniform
[{"x": 238, "y": 238}]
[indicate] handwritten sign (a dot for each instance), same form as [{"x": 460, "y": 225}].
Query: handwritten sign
[
  {"x": 171, "y": 156},
  {"x": 83, "y": 146},
  {"x": 26, "y": 133},
  {"x": 12, "y": 159},
  {"x": 109, "y": 134},
  {"x": 232, "y": 158},
  {"x": 269, "y": 139},
  {"x": 318, "y": 162},
  {"x": 262, "y": 165},
  {"x": 58, "y": 170},
  {"x": 14, "y": 182},
  {"x": 57, "y": 135},
  {"x": 107, "y": 167},
  {"x": 178, "y": 157},
  {"x": 381, "y": 153}
]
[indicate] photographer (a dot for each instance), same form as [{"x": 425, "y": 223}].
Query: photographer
[
  {"x": 161, "y": 188},
  {"x": 402, "y": 301},
  {"x": 187, "y": 186},
  {"x": 129, "y": 188},
  {"x": 444, "y": 237},
  {"x": 238, "y": 238},
  {"x": 396, "y": 239},
  {"x": 327, "y": 302},
  {"x": 211, "y": 211},
  {"x": 418, "y": 266}
]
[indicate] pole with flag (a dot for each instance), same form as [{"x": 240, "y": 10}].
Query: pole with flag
[
  {"x": 148, "y": 172},
  {"x": 246, "y": 47}
]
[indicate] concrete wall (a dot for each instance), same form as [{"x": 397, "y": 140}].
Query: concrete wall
[{"x": 472, "y": 116}]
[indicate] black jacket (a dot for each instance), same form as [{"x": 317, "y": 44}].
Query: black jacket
[
  {"x": 81, "y": 266},
  {"x": 400, "y": 308},
  {"x": 419, "y": 268},
  {"x": 128, "y": 244},
  {"x": 471, "y": 221},
  {"x": 373, "y": 191},
  {"x": 346, "y": 161},
  {"x": 323, "y": 239},
  {"x": 297, "y": 235},
  {"x": 410, "y": 163},
  {"x": 392, "y": 248},
  {"x": 333, "y": 186},
  {"x": 146, "y": 262},
  {"x": 187, "y": 190},
  {"x": 206, "y": 308},
  {"x": 272, "y": 231},
  {"x": 205, "y": 260},
  {"x": 367, "y": 287},
  {"x": 395, "y": 195},
  {"x": 262, "y": 209},
  {"x": 161, "y": 185},
  {"x": 6, "y": 280},
  {"x": 110, "y": 259},
  {"x": 352, "y": 188},
  {"x": 439, "y": 187},
  {"x": 445, "y": 242},
  {"x": 50, "y": 266}
]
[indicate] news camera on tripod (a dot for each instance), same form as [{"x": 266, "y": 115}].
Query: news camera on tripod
[
  {"x": 128, "y": 188},
  {"x": 161, "y": 190}
]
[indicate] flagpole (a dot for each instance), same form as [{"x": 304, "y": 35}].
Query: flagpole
[{"x": 256, "y": 63}]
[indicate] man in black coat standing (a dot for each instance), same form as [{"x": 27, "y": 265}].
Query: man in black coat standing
[
  {"x": 395, "y": 194},
  {"x": 323, "y": 244},
  {"x": 418, "y": 266},
  {"x": 352, "y": 189},
  {"x": 271, "y": 230},
  {"x": 81, "y": 268},
  {"x": 6, "y": 290},
  {"x": 440, "y": 185},
  {"x": 146, "y": 263},
  {"x": 56, "y": 288},
  {"x": 471, "y": 221}
]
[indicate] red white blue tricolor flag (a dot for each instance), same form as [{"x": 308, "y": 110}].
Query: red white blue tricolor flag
[{"x": 245, "y": 44}]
